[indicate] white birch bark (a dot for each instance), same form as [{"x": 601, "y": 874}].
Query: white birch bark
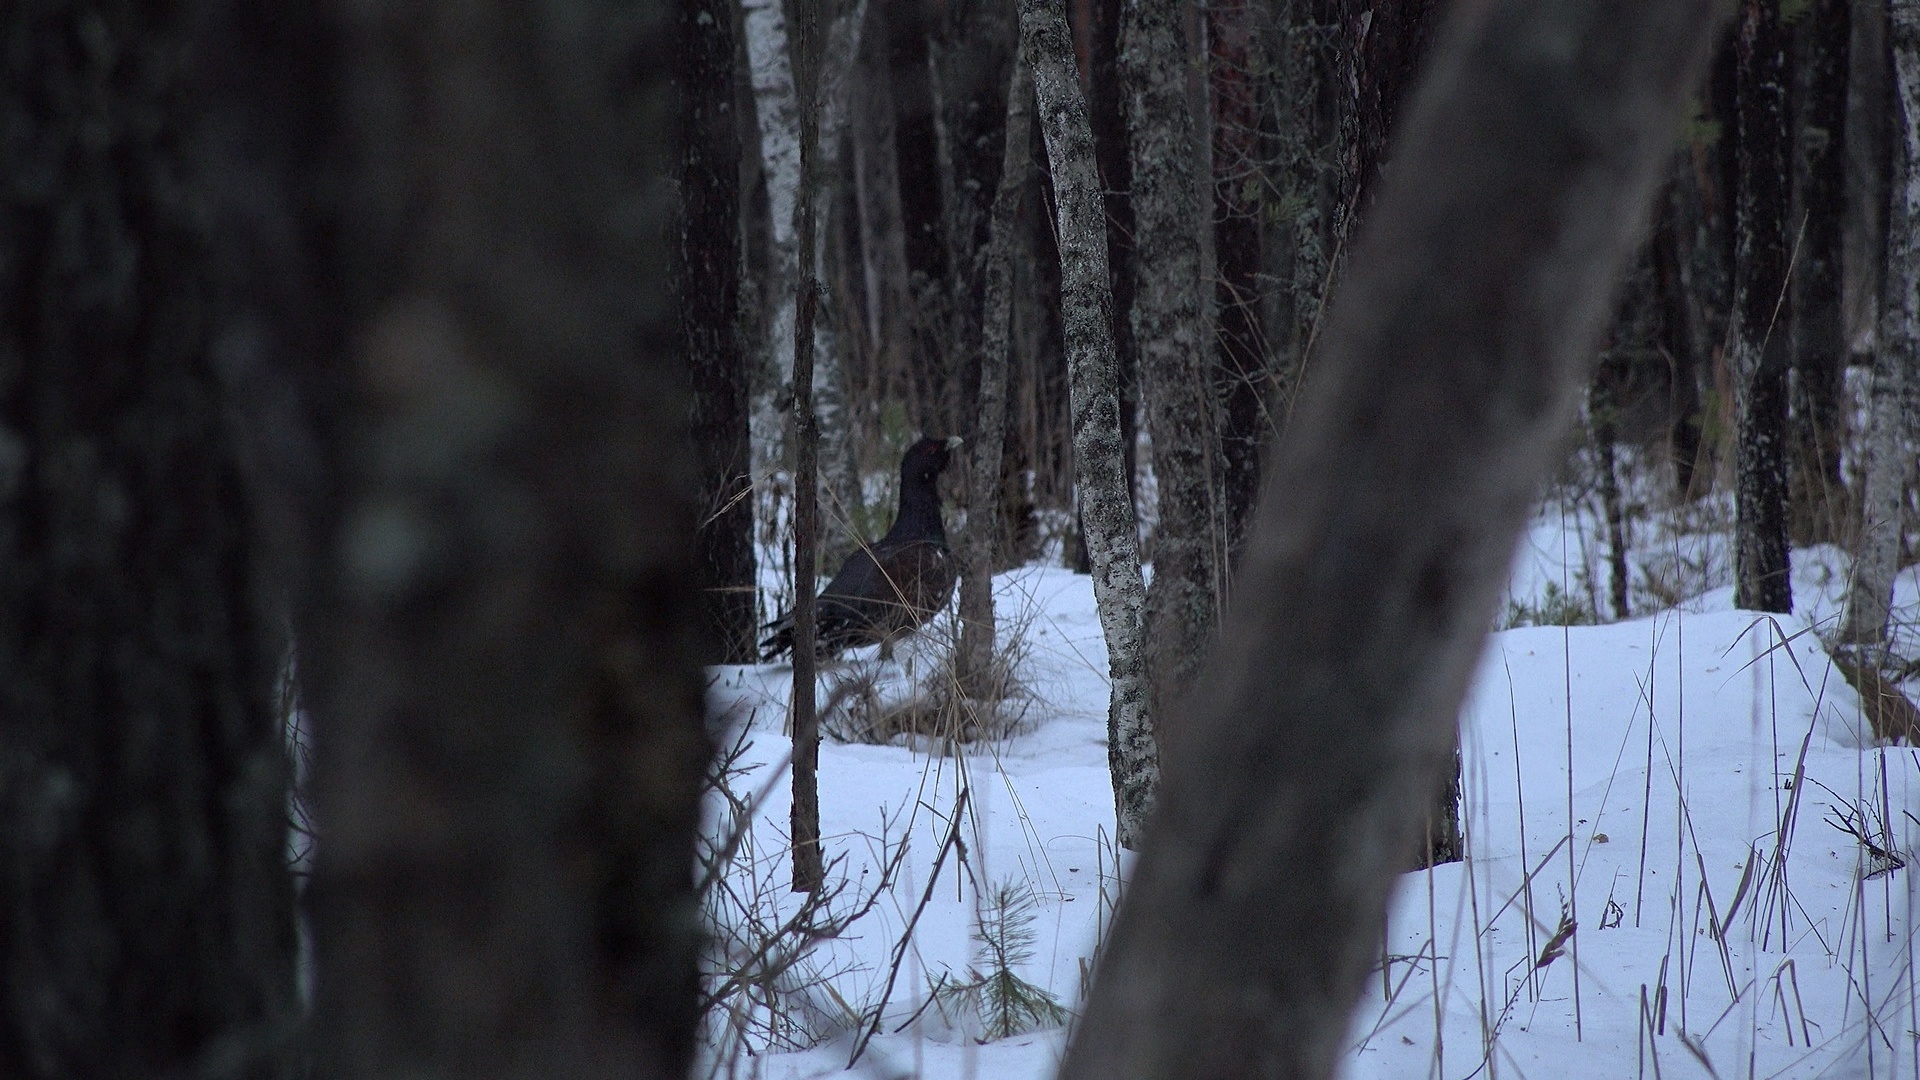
[
  {"x": 779, "y": 116},
  {"x": 1105, "y": 506},
  {"x": 1169, "y": 326},
  {"x": 1877, "y": 554},
  {"x": 778, "y": 113}
]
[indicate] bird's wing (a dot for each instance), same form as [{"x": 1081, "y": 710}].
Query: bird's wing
[{"x": 919, "y": 577}]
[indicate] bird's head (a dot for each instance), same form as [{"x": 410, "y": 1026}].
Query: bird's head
[{"x": 928, "y": 458}]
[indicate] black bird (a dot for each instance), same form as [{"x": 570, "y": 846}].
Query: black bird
[{"x": 890, "y": 588}]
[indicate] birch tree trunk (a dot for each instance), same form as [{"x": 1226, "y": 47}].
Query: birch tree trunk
[
  {"x": 983, "y": 486},
  {"x": 774, "y": 85},
  {"x": 838, "y": 56},
  {"x": 1169, "y": 329},
  {"x": 770, "y": 68},
  {"x": 1762, "y": 340},
  {"x": 1106, "y": 509},
  {"x": 1325, "y": 720},
  {"x": 1877, "y": 555}
]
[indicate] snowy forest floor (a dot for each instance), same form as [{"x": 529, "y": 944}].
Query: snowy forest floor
[{"x": 1734, "y": 875}]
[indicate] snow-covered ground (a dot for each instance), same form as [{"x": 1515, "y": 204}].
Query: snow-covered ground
[{"x": 1726, "y": 924}]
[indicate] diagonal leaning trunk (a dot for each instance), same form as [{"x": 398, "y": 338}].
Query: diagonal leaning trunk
[
  {"x": 1099, "y": 463},
  {"x": 1324, "y": 719}
]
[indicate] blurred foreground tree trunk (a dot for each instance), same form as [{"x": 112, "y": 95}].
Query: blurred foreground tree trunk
[
  {"x": 1099, "y": 464},
  {"x": 146, "y": 910},
  {"x": 466, "y": 214},
  {"x": 1324, "y": 720},
  {"x": 1761, "y": 338}
]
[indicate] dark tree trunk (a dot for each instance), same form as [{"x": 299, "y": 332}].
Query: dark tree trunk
[
  {"x": 1869, "y": 103},
  {"x": 500, "y": 644},
  {"x": 1603, "y": 413},
  {"x": 883, "y": 228},
  {"x": 146, "y": 911},
  {"x": 1389, "y": 40},
  {"x": 809, "y": 869},
  {"x": 967, "y": 70},
  {"x": 1305, "y": 89},
  {"x": 709, "y": 292},
  {"x": 1326, "y": 717},
  {"x": 1818, "y": 495},
  {"x": 1242, "y": 406},
  {"x": 975, "y": 668},
  {"x": 1761, "y": 342},
  {"x": 1676, "y": 233}
]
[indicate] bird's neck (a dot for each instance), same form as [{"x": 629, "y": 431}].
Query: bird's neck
[{"x": 919, "y": 509}]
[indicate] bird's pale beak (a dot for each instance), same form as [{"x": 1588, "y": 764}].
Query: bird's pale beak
[{"x": 954, "y": 442}]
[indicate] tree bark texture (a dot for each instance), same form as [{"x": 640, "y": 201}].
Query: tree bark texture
[
  {"x": 1602, "y": 413},
  {"x": 146, "y": 909},
  {"x": 1324, "y": 722},
  {"x": 876, "y": 178},
  {"x": 710, "y": 323},
  {"x": 1869, "y": 105},
  {"x": 1242, "y": 404},
  {"x": 500, "y": 647},
  {"x": 1888, "y": 463},
  {"x": 770, "y": 69},
  {"x": 833, "y": 410},
  {"x": 983, "y": 484},
  {"x": 1099, "y": 465},
  {"x": 1107, "y": 115},
  {"x": 809, "y": 870},
  {"x": 1762, "y": 345},
  {"x": 1390, "y": 41},
  {"x": 1677, "y": 234},
  {"x": 1818, "y": 495},
  {"x": 1303, "y": 85},
  {"x": 1170, "y": 327},
  {"x": 969, "y": 58},
  {"x": 769, "y": 32}
]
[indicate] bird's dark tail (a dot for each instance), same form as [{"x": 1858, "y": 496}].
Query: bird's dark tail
[{"x": 779, "y": 640}]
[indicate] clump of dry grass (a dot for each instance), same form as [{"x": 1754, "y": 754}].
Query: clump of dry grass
[{"x": 884, "y": 703}]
